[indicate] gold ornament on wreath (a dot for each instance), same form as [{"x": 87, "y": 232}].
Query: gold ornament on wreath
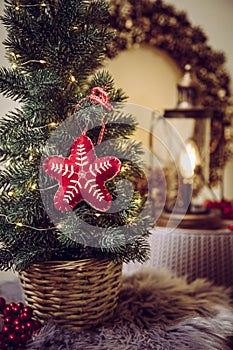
[{"x": 161, "y": 26}]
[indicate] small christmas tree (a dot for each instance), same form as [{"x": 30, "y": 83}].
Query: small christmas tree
[{"x": 56, "y": 49}]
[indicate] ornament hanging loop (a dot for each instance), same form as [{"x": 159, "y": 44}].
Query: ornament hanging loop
[{"x": 101, "y": 97}]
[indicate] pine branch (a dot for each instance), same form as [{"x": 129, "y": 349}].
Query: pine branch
[
  {"x": 6, "y": 259},
  {"x": 18, "y": 136},
  {"x": 13, "y": 85}
]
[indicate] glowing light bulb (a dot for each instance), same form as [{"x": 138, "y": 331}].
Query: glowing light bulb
[
  {"x": 11, "y": 193},
  {"x": 138, "y": 201},
  {"x": 33, "y": 186},
  {"x": 30, "y": 157},
  {"x": 12, "y": 54},
  {"x": 129, "y": 220},
  {"x": 72, "y": 78},
  {"x": 53, "y": 124},
  {"x": 19, "y": 224},
  {"x": 124, "y": 169}
]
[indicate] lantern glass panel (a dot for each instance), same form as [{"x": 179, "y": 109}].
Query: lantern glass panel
[{"x": 187, "y": 173}]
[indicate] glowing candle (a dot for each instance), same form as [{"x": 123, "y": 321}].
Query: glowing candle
[{"x": 189, "y": 159}]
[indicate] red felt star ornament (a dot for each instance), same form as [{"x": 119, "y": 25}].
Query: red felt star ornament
[{"x": 82, "y": 176}]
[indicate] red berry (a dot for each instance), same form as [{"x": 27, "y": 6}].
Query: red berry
[
  {"x": 23, "y": 328},
  {"x": 8, "y": 319},
  {"x": 24, "y": 317},
  {"x": 24, "y": 338},
  {"x": 20, "y": 306},
  {"x": 15, "y": 311},
  {"x": 6, "y": 330},
  {"x": 14, "y": 339},
  {"x": 16, "y": 322},
  {"x": 230, "y": 227},
  {"x": 30, "y": 326},
  {"x": 7, "y": 311},
  {"x": 28, "y": 310},
  {"x": 12, "y": 305},
  {"x": 18, "y": 329}
]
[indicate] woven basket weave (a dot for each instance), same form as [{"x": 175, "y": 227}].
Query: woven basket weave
[{"x": 77, "y": 294}]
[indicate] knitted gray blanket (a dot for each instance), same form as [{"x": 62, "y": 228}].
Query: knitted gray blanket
[{"x": 156, "y": 311}]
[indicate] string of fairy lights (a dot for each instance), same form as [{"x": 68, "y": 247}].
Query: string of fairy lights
[
  {"x": 52, "y": 125},
  {"x": 20, "y": 224},
  {"x": 18, "y": 5},
  {"x": 32, "y": 186}
]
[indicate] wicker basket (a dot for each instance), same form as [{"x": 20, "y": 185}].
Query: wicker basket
[{"x": 77, "y": 294}]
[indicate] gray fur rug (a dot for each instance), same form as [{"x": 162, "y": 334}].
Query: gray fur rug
[{"x": 156, "y": 311}]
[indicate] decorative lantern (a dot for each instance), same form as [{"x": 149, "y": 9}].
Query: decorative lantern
[{"x": 186, "y": 166}]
